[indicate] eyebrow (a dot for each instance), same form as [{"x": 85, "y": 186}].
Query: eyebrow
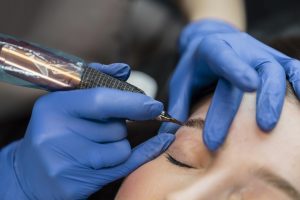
[
  {"x": 195, "y": 123},
  {"x": 278, "y": 182}
]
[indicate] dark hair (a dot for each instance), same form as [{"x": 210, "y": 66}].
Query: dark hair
[
  {"x": 287, "y": 45},
  {"x": 291, "y": 47}
]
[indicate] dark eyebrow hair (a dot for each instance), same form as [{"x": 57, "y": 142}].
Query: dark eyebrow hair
[
  {"x": 278, "y": 182},
  {"x": 195, "y": 123}
]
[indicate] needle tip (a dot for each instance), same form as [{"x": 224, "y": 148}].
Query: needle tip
[{"x": 164, "y": 116}]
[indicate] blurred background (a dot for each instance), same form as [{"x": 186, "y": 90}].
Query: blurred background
[{"x": 142, "y": 33}]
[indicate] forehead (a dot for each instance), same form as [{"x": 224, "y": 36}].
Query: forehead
[{"x": 248, "y": 147}]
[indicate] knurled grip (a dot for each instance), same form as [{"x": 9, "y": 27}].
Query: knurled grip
[{"x": 92, "y": 78}]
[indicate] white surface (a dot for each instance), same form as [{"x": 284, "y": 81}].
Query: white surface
[{"x": 144, "y": 82}]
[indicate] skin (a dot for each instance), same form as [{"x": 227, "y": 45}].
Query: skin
[
  {"x": 231, "y": 11},
  {"x": 229, "y": 173}
]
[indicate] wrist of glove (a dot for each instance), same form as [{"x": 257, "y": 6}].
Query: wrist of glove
[
  {"x": 9, "y": 183},
  {"x": 202, "y": 28}
]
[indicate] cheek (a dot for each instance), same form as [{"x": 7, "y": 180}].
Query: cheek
[
  {"x": 155, "y": 180},
  {"x": 261, "y": 191},
  {"x": 141, "y": 184}
]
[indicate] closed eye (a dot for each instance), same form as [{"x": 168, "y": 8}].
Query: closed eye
[{"x": 173, "y": 161}]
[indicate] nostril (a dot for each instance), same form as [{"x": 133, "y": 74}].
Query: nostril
[
  {"x": 173, "y": 196},
  {"x": 237, "y": 195}
]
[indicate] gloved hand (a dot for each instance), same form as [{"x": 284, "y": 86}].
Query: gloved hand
[
  {"x": 76, "y": 143},
  {"x": 212, "y": 49}
]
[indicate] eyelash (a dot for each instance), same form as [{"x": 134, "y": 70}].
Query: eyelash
[{"x": 177, "y": 163}]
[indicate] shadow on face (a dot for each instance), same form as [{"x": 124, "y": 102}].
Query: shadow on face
[{"x": 250, "y": 165}]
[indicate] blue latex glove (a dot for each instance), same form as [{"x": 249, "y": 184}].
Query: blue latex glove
[
  {"x": 211, "y": 50},
  {"x": 76, "y": 143}
]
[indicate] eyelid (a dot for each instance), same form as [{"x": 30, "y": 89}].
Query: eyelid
[{"x": 173, "y": 161}]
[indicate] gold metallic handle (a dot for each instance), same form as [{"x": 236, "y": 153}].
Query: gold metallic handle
[{"x": 41, "y": 68}]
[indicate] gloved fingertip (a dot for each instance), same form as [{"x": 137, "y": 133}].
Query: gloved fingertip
[
  {"x": 152, "y": 109},
  {"x": 212, "y": 144},
  {"x": 154, "y": 106},
  {"x": 118, "y": 70},
  {"x": 253, "y": 83},
  {"x": 168, "y": 127},
  {"x": 166, "y": 139},
  {"x": 95, "y": 65},
  {"x": 120, "y": 65},
  {"x": 268, "y": 110},
  {"x": 123, "y": 70},
  {"x": 266, "y": 124},
  {"x": 266, "y": 114},
  {"x": 155, "y": 146},
  {"x": 250, "y": 82}
]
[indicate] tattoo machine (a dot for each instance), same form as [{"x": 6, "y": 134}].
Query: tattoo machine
[{"x": 30, "y": 65}]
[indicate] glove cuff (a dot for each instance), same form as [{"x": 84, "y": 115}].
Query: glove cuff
[
  {"x": 9, "y": 185},
  {"x": 202, "y": 28}
]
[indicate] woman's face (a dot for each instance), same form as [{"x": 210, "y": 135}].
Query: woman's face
[{"x": 250, "y": 165}]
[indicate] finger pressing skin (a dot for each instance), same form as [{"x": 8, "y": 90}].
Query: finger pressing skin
[
  {"x": 271, "y": 93},
  {"x": 225, "y": 103}
]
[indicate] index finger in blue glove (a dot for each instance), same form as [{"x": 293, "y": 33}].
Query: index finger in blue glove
[
  {"x": 222, "y": 60},
  {"x": 225, "y": 103},
  {"x": 117, "y": 70},
  {"x": 102, "y": 103}
]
